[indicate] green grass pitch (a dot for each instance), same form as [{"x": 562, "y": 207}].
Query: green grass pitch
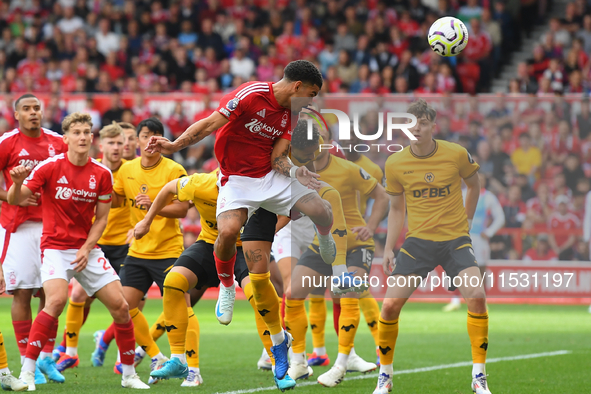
[{"x": 428, "y": 339}]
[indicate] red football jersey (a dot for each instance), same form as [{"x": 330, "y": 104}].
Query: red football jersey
[
  {"x": 559, "y": 223},
  {"x": 17, "y": 149},
  {"x": 244, "y": 145},
  {"x": 70, "y": 195}
]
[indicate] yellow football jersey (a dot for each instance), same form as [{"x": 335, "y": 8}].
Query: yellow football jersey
[
  {"x": 165, "y": 239},
  {"x": 118, "y": 223},
  {"x": 202, "y": 189},
  {"x": 298, "y": 163},
  {"x": 348, "y": 178},
  {"x": 372, "y": 169},
  {"x": 432, "y": 186}
]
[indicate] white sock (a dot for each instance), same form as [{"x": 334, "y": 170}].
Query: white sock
[
  {"x": 339, "y": 270},
  {"x": 456, "y": 301},
  {"x": 320, "y": 351},
  {"x": 22, "y": 360},
  {"x": 299, "y": 358},
  {"x": 43, "y": 355},
  {"x": 352, "y": 352},
  {"x": 140, "y": 351},
  {"x": 322, "y": 238},
  {"x": 72, "y": 351},
  {"x": 387, "y": 369},
  {"x": 342, "y": 359},
  {"x": 4, "y": 371},
  {"x": 118, "y": 357},
  {"x": 182, "y": 357},
  {"x": 278, "y": 339},
  {"x": 28, "y": 365},
  {"x": 127, "y": 370},
  {"x": 196, "y": 370},
  {"x": 273, "y": 369},
  {"x": 290, "y": 353},
  {"x": 478, "y": 368},
  {"x": 159, "y": 356},
  {"x": 265, "y": 354}
]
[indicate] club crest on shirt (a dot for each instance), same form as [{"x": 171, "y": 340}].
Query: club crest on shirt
[
  {"x": 284, "y": 119},
  {"x": 429, "y": 177},
  {"x": 144, "y": 189},
  {"x": 233, "y": 104},
  {"x": 92, "y": 182},
  {"x": 51, "y": 150}
]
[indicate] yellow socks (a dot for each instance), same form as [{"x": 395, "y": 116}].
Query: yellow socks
[
  {"x": 3, "y": 357},
  {"x": 266, "y": 300},
  {"x": 371, "y": 312},
  {"x": 478, "y": 332},
  {"x": 317, "y": 319},
  {"x": 264, "y": 333},
  {"x": 142, "y": 333},
  {"x": 158, "y": 328},
  {"x": 74, "y": 319},
  {"x": 388, "y": 333},
  {"x": 192, "y": 343},
  {"x": 175, "y": 312},
  {"x": 348, "y": 323},
  {"x": 296, "y": 323}
]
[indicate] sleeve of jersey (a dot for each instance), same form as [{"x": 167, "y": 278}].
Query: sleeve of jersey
[
  {"x": 231, "y": 106},
  {"x": 106, "y": 189},
  {"x": 186, "y": 187},
  {"x": 468, "y": 166},
  {"x": 4, "y": 152},
  {"x": 37, "y": 177},
  {"x": 364, "y": 182},
  {"x": 118, "y": 186},
  {"x": 393, "y": 186},
  {"x": 339, "y": 225}
]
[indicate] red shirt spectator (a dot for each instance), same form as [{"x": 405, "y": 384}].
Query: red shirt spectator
[
  {"x": 479, "y": 45},
  {"x": 562, "y": 222},
  {"x": 541, "y": 252}
]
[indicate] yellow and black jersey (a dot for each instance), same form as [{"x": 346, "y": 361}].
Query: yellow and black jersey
[
  {"x": 165, "y": 239},
  {"x": 432, "y": 186},
  {"x": 118, "y": 223},
  {"x": 202, "y": 189},
  {"x": 372, "y": 169},
  {"x": 348, "y": 179},
  {"x": 298, "y": 163}
]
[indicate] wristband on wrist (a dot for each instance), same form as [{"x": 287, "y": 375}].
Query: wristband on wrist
[{"x": 292, "y": 172}]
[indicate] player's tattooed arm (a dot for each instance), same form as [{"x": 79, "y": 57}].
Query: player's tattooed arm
[
  {"x": 201, "y": 129},
  {"x": 281, "y": 162}
]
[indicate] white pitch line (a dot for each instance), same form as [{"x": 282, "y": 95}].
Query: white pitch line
[{"x": 415, "y": 370}]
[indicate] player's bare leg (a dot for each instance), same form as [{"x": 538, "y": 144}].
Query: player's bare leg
[
  {"x": 475, "y": 298},
  {"x": 320, "y": 212},
  {"x": 112, "y": 297},
  {"x": 229, "y": 225},
  {"x": 396, "y": 297}
]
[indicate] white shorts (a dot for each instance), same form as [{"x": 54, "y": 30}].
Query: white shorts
[
  {"x": 57, "y": 264},
  {"x": 274, "y": 192},
  {"x": 481, "y": 249},
  {"x": 22, "y": 264},
  {"x": 293, "y": 239}
]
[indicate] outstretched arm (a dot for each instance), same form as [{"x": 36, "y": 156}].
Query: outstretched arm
[
  {"x": 163, "y": 198},
  {"x": 195, "y": 133}
]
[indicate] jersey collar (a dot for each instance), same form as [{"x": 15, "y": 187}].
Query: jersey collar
[
  {"x": 152, "y": 166},
  {"x": 426, "y": 156}
]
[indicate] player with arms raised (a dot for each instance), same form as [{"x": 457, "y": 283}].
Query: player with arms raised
[
  {"x": 428, "y": 175},
  {"x": 74, "y": 187},
  {"x": 252, "y": 146},
  {"x": 28, "y": 145}
]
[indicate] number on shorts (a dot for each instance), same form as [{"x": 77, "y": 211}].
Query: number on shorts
[{"x": 106, "y": 265}]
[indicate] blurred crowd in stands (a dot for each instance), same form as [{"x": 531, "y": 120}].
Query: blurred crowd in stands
[{"x": 197, "y": 46}]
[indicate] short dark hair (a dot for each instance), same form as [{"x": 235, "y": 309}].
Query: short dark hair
[
  {"x": 152, "y": 124},
  {"x": 304, "y": 71},
  {"x": 125, "y": 125},
  {"x": 24, "y": 96},
  {"x": 525, "y": 134},
  {"x": 299, "y": 136},
  {"x": 420, "y": 108}
]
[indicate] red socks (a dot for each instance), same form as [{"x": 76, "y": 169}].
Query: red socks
[
  {"x": 336, "y": 314},
  {"x": 225, "y": 270},
  {"x": 43, "y": 333},
  {"x": 22, "y": 328},
  {"x": 125, "y": 341},
  {"x": 324, "y": 230},
  {"x": 109, "y": 334}
]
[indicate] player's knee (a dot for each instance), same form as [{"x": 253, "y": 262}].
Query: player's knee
[
  {"x": 120, "y": 311},
  {"x": 55, "y": 305},
  {"x": 78, "y": 294},
  {"x": 229, "y": 234},
  {"x": 391, "y": 309},
  {"x": 477, "y": 304},
  {"x": 22, "y": 296}
]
